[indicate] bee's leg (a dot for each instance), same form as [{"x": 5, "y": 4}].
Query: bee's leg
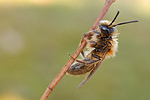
[
  {"x": 93, "y": 43},
  {"x": 76, "y": 59},
  {"x": 90, "y": 62},
  {"x": 96, "y": 56},
  {"x": 98, "y": 50},
  {"x": 82, "y": 53},
  {"x": 97, "y": 32},
  {"x": 108, "y": 45}
]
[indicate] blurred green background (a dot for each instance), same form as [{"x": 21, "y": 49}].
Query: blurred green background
[{"x": 36, "y": 35}]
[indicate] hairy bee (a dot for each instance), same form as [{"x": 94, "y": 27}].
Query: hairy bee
[{"x": 103, "y": 44}]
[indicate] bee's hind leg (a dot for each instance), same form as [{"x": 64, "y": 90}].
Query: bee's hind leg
[
  {"x": 90, "y": 62},
  {"x": 75, "y": 59},
  {"x": 95, "y": 56},
  {"x": 87, "y": 61}
]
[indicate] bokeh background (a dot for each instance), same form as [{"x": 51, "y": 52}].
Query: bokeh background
[{"x": 36, "y": 35}]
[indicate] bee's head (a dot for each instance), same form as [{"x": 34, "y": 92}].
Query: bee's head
[{"x": 107, "y": 28}]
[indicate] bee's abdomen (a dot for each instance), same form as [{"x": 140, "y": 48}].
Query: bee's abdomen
[{"x": 79, "y": 69}]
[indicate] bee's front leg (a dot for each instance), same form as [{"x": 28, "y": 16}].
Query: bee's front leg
[{"x": 97, "y": 32}]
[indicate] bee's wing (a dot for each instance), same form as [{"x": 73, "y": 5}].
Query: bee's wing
[{"x": 93, "y": 71}]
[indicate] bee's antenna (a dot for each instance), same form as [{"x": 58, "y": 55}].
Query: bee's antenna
[
  {"x": 114, "y": 18},
  {"x": 126, "y": 22}
]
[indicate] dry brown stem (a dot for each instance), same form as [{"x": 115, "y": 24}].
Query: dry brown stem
[{"x": 76, "y": 54}]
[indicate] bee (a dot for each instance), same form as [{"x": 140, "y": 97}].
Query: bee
[{"x": 101, "y": 45}]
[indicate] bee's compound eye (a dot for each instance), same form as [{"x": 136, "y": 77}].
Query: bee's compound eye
[{"x": 105, "y": 30}]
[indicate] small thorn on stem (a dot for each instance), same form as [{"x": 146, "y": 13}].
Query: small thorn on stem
[
  {"x": 70, "y": 56},
  {"x": 92, "y": 28}
]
